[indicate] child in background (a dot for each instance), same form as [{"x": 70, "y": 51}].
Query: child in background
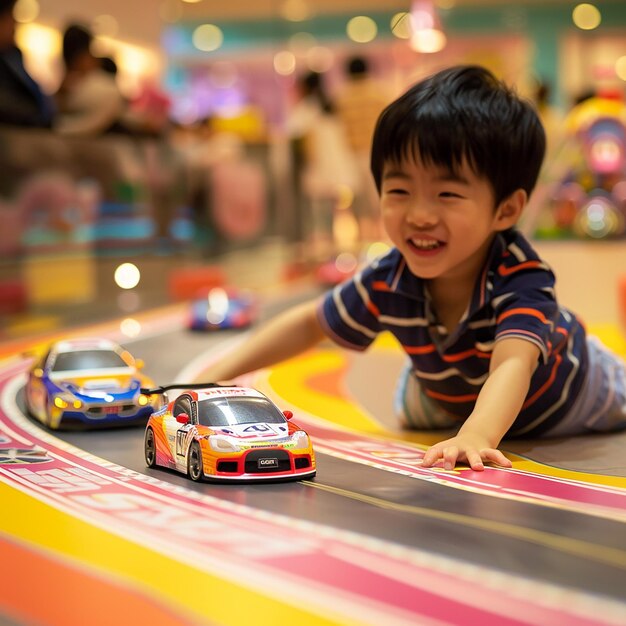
[{"x": 490, "y": 350}]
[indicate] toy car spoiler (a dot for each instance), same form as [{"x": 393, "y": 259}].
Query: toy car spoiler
[{"x": 158, "y": 390}]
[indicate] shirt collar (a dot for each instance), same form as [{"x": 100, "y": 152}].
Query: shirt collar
[{"x": 402, "y": 281}]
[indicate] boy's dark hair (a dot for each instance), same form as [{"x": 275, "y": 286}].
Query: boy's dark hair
[{"x": 463, "y": 113}]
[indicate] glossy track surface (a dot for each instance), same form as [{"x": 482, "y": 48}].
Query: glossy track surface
[{"x": 373, "y": 539}]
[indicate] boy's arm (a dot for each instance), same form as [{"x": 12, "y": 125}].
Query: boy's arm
[
  {"x": 282, "y": 337},
  {"x": 499, "y": 402}
]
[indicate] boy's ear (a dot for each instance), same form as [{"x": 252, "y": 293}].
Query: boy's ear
[{"x": 510, "y": 210}]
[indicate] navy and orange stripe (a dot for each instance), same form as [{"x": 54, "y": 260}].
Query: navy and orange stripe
[{"x": 513, "y": 297}]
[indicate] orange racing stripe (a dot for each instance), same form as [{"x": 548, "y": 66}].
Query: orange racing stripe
[{"x": 36, "y": 587}]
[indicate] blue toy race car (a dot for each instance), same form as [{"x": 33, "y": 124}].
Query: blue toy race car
[
  {"x": 222, "y": 309},
  {"x": 88, "y": 382}
]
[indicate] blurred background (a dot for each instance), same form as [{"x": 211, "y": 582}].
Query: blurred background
[{"x": 149, "y": 150}]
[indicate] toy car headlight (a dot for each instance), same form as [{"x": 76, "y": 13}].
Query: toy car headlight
[
  {"x": 143, "y": 400},
  {"x": 219, "y": 443},
  {"x": 67, "y": 400},
  {"x": 60, "y": 403},
  {"x": 300, "y": 439}
]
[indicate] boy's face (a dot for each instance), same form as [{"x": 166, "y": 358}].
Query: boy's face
[{"x": 440, "y": 222}]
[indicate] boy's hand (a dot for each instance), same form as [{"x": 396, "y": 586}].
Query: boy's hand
[
  {"x": 464, "y": 447},
  {"x": 499, "y": 402}
]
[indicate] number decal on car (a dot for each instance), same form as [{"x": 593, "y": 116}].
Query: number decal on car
[
  {"x": 259, "y": 428},
  {"x": 182, "y": 436}
]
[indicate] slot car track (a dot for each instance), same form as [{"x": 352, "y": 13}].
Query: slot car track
[{"x": 372, "y": 539}]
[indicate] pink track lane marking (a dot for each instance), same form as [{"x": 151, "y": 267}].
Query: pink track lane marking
[
  {"x": 147, "y": 511},
  {"x": 495, "y": 481}
]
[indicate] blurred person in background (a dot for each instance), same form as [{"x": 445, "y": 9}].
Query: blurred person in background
[
  {"x": 22, "y": 102},
  {"x": 551, "y": 118},
  {"x": 324, "y": 163},
  {"x": 146, "y": 115},
  {"x": 88, "y": 99},
  {"x": 359, "y": 103}
]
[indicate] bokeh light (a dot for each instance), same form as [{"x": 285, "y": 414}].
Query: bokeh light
[
  {"x": 400, "y": 25},
  {"x": 207, "y": 37},
  {"x": 428, "y": 40},
  {"x": 362, "y": 29},
  {"x": 375, "y": 250},
  {"x": 218, "y": 303},
  {"x": 586, "y": 16},
  {"x": 25, "y": 11},
  {"x": 130, "y": 327},
  {"x": 285, "y": 62},
  {"x": 346, "y": 262},
  {"x": 39, "y": 41},
  {"x": 127, "y": 276}
]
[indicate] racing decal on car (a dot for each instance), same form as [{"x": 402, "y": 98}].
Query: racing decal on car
[
  {"x": 263, "y": 463},
  {"x": 254, "y": 431},
  {"x": 256, "y": 428},
  {"x": 184, "y": 435},
  {"x": 217, "y": 391}
]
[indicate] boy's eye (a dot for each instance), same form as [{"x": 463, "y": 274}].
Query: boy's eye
[
  {"x": 398, "y": 190},
  {"x": 450, "y": 194}
]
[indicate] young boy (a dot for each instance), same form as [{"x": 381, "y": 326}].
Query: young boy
[{"x": 473, "y": 306}]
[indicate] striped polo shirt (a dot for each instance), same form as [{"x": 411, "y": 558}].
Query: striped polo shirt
[{"x": 513, "y": 297}]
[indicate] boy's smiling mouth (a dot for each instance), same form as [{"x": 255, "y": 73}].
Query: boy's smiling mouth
[{"x": 424, "y": 244}]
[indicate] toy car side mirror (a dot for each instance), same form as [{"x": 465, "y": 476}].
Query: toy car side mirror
[
  {"x": 182, "y": 418},
  {"x": 288, "y": 414}
]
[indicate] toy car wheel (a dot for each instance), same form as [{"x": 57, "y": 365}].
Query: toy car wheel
[
  {"x": 150, "y": 448},
  {"x": 194, "y": 462}
]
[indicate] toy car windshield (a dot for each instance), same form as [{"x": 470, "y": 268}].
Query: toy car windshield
[
  {"x": 239, "y": 411},
  {"x": 87, "y": 360}
]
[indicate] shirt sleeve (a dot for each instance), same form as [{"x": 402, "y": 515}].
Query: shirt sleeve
[
  {"x": 527, "y": 308},
  {"x": 348, "y": 314}
]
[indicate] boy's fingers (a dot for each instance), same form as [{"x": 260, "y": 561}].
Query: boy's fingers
[
  {"x": 431, "y": 456},
  {"x": 497, "y": 457},
  {"x": 450, "y": 456},
  {"x": 474, "y": 460}
]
